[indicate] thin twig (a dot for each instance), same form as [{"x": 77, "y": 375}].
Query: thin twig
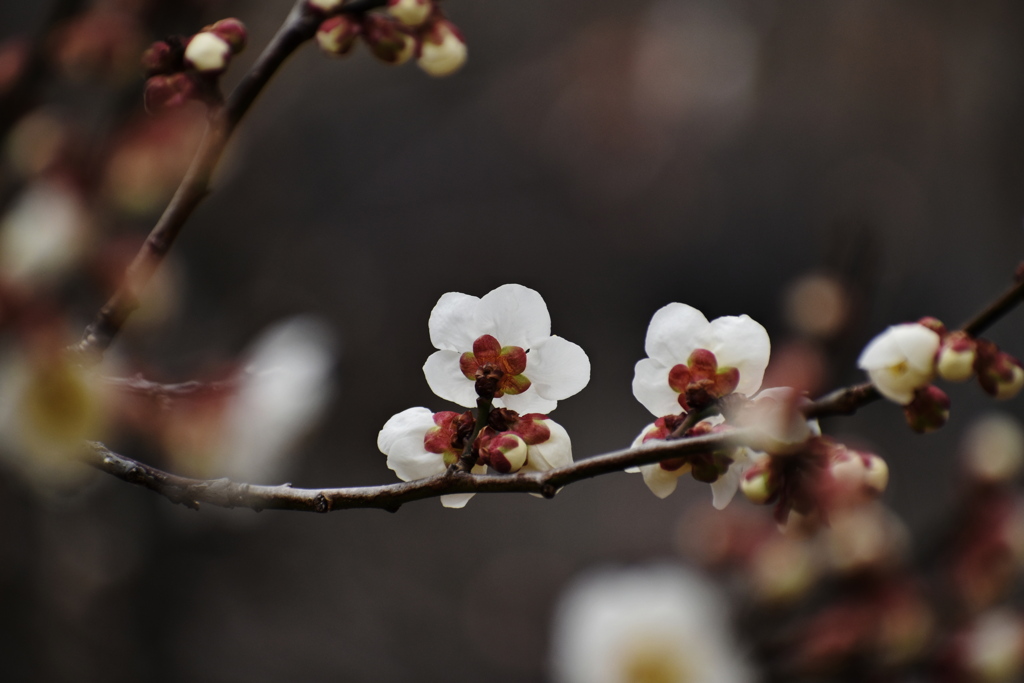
[
  {"x": 300, "y": 26},
  {"x": 230, "y": 494},
  {"x": 142, "y": 386}
]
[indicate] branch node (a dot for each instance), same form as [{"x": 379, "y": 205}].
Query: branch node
[
  {"x": 321, "y": 504},
  {"x": 548, "y": 491}
]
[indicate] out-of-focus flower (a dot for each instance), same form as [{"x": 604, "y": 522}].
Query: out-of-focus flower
[
  {"x": 337, "y": 35},
  {"x": 817, "y": 305},
  {"x": 863, "y": 536},
  {"x": 284, "y": 390},
  {"x": 442, "y": 50},
  {"x": 659, "y": 623},
  {"x": 692, "y": 361},
  {"x": 43, "y": 235},
  {"x": 993, "y": 448},
  {"x": 49, "y": 407},
  {"x": 993, "y": 648},
  {"x": 502, "y": 342},
  {"x": 901, "y": 360},
  {"x": 422, "y": 444}
]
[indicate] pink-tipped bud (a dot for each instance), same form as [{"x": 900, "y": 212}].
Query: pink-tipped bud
[
  {"x": 999, "y": 373},
  {"x": 503, "y": 452},
  {"x": 758, "y": 485},
  {"x": 338, "y": 34},
  {"x": 411, "y": 12},
  {"x": 442, "y": 51},
  {"x": 388, "y": 40},
  {"x": 161, "y": 58},
  {"x": 928, "y": 411},
  {"x": 935, "y": 325},
  {"x": 232, "y": 31},
  {"x": 956, "y": 357},
  {"x": 168, "y": 92},
  {"x": 208, "y": 53}
]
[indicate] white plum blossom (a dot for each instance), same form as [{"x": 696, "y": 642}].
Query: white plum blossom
[
  {"x": 659, "y": 623},
  {"x": 421, "y": 444},
  {"x": 506, "y": 333},
  {"x": 691, "y": 359},
  {"x": 283, "y": 391},
  {"x": 901, "y": 360}
]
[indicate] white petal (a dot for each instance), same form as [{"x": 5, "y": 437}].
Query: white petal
[
  {"x": 456, "y": 500},
  {"x": 555, "y": 452},
  {"x": 515, "y": 315},
  {"x": 898, "y": 388},
  {"x": 650, "y": 387},
  {"x": 527, "y": 402},
  {"x": 919, "y": 345},
  {"x": 724, "y": 488},
  {"x": 410, "y": 460},
  {"x": 406, "y": 423},
  {"x": 882, "y": 351},
  {"x": 446, "y": 379},
  {"x": 283, "y": 392},
  {"x": 672, "y": 333},
  {"x": 742, "y": 343},
  {"x": 452, "y": 322},
  {"x": 557, "y": 368},
  {"x": 660, "y": 481}
]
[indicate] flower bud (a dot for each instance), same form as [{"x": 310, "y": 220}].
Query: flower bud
[
  {"x": 325, "y": 5},
  {"x": 928, "y": 411},
  {"x": 338, "y": 34},
  {"x": 167, "y": 92},
  {"x": 999, "y": 373},
  {"x": 207, "y": 52},
  {"x": 504, "y": 452},
  {"x": 956, "y": 357},
  {"x": 161, "y": 58},
  {"x": 410, "y": 12},
  {"x": 1010, "y": 384},
  {"x": 387, "y": 40},
  {"x": 232, "y": 31},
  {"x": 443, "y": 52},
  {"x": 876, "y": 475},
  {"x": 934, "y": 324},
  {"x": 758, "y": 485}
]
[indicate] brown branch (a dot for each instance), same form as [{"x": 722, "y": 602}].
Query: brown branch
[
  {"x": 230, "y": 494},
  {"x": 996, "y": 310},
  {"x": 300, "y": 26}
]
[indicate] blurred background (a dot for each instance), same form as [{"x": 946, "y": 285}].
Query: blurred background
[{"x": 829, "y": 168}]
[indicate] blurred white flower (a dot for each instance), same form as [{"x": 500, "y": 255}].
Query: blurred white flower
[
  {"x": 679, "y": 369},
  {"x": 43, "y": 235},
  {"x": 659, "y": 623},
  {"x": 901, "y": 360},
  {"x": 283, "y": 391},
  {"x": 508, "y": 332}
]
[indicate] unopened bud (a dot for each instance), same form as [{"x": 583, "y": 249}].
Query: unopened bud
[
  {"x": 338, "y": 34},
  {"x": 443, "y": 52},
  {"x": 1012, "y": 381},
  {"x": 161, "y": 58},
  {"x": 167, "y": 92},
  {"x": 928, "y": 411},
  {"x": 503, "y": 451},
  {"x": 207, "y": 52},
  {"x": 410, "y": 12},
  {"x": 933, "y": 324},
  {"x": 956, "y": 357},
  {"x": 232, "y": 31},
  {"x": 325, "y": 5},
  {"x": 387, "y": 40},
  {"x": 757, "y": 485},
  {"x": 876, "y": 476}
]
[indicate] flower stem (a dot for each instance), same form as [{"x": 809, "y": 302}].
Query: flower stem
[{"x": 467, "y": 461}]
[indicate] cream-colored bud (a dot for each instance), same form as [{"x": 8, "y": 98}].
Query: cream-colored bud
[
  {"x": 757, "y": 486},
  {"x": 445, "y": 56},
  {"x": 410, "y": 12},
  {"x": 325, "y": 5},
  {"x": 876, "y": 476},
  {"x": 515, "y": 451},
  {"x": 207, "y": 52},
  {"x": 1011, "y": 387},
  {"x": 956, "y": 366}
]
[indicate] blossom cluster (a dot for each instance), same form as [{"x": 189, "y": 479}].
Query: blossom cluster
[
  {"x": 411, "y": 29},
  {"x": 182, "y": 69},
  {"x": 903, "y": 361},
  {"x": 496, "y": 353}
]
